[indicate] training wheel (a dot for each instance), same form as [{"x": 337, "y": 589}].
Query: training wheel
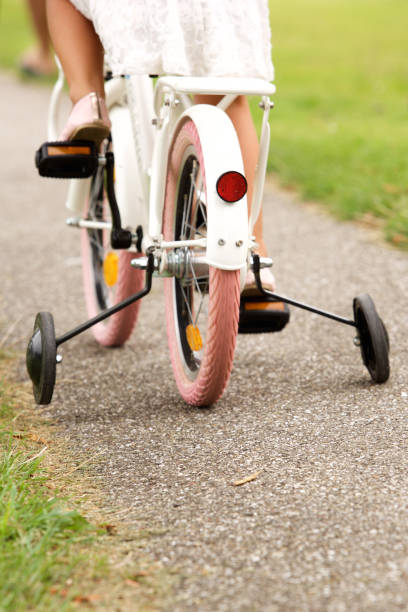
[
  {"x": 41, "y": 358},
  {"x": 372, "y": 338}
]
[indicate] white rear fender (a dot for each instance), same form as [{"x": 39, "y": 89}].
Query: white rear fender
[{"x": 227, "y": 224}]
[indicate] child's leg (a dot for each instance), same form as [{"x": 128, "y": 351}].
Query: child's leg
[
  {"x": 39, "y": 20},
  {"x": 240, "y": 115},
  {"x": 39, "y": 60},
  {"x": 78, "y": 48}
]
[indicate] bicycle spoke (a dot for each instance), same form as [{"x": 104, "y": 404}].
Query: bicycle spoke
[
  {"x": 188, "y": 208},
  {"x": 190, "y": 281},
  {"x": 192, "y": 229},
  {"x": 203, "y": 210},
  {"x": 95, "y": 242},
  {"x": 186, "y": 300},
  {"x": 201, "y": 300},
  {"x": 183, "y": 220}
]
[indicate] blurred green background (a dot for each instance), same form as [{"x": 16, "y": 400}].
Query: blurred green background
[
  {"x": 339, "y": 128},
  {"x": 15, "y": 32}
]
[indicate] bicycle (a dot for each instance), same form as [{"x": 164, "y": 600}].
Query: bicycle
[{"x": 169, "y": 199}]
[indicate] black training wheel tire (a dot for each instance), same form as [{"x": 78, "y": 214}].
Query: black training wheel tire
[
  {"x": 41, "y": 358},
  {"x": 373, "y": 338}
]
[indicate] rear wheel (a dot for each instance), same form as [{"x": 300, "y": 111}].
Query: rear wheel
[
  {"x": 107, "y": 274},
  {"x": 202, "y": 302}
]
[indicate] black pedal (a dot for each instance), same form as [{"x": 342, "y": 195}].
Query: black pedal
[
  {"x": 262, "y": 314},
  {"x": 69, "y": 159}
]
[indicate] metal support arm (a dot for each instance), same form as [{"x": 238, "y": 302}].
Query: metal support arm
[
  {"x": 282, "y": 298},
  {"x": 110, "y": 311}
]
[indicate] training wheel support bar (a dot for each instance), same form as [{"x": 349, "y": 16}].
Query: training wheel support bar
[
  {"x": 41, "y": 354},
  {"x": 372, "y": 336},
  {"x": 282, "y": 298}
]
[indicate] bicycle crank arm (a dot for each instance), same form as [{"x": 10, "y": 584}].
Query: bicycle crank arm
[
  {"x": 80, "y": 159},
  {"x": 281, "y": 298},
  {"x": 110, "y": 311}
]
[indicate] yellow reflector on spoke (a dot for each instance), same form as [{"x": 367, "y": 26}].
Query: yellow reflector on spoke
[
  {"x": 111, "y": 269},
  {"x": 194, "y": 338}
]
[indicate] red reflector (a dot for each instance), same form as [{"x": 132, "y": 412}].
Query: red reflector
[{"x": 232, "y": 186}]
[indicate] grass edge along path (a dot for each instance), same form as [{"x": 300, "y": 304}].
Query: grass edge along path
[
  {"x": 38, "y": 532},
  {"x": 339, "y": 130},
  {"x": 58, "y": 549}
]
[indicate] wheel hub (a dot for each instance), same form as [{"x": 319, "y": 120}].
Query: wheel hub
[{"x": 183, "y": 264}]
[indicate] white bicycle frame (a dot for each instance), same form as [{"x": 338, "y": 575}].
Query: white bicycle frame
[{"x": 144, "y": 120}]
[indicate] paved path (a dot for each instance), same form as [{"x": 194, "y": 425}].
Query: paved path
[{"x": 325, "y": 525}]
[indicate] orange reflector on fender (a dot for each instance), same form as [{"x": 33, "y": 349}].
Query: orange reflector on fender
[
  {"x": 194, "y": 338},
  {"x": 232, "y": 186}
]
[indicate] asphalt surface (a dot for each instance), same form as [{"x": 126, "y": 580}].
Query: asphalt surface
[{"x": 325, "y": 524}]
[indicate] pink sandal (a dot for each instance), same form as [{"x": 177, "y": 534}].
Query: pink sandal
[{"x": 89, "y": 120}]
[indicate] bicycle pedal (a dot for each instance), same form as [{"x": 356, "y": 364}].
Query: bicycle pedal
[
  {"x": 260, "y": 314},
  {"x": 67, "y": 159}
]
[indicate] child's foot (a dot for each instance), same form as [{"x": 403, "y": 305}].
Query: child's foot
[
  {"x": 36, "y": 63},
  {"x": 89, "y": 120},
  {"x": 267, "y": 279}
]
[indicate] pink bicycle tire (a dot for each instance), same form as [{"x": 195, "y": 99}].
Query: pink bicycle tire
[
  {"x": 206, "y": 384},
  {"x": 117, "y": 329}
]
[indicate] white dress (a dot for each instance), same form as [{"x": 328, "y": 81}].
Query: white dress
[{"x": 186, "y": 37}]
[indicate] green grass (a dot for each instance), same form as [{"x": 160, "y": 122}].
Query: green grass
[
  {"x": 340, "y": 126},
  {"x": 51, "y": 558},
  {"x": 36, "y": 535},
  {"x": 40, "y": 537}
]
